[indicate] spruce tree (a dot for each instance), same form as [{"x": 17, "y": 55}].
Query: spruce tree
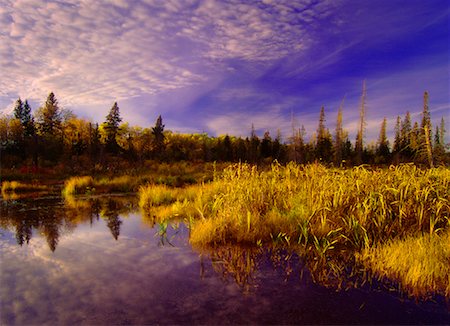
[
  {"x": 49, "y": 116},
  {"x": 338, "y": 137},
  {"x": 359, "y": 145},
  {"x": 425, "y": 137},
  {"x": 383, "y": 144},
  {"x": 324, "y": 145},
  {"x": 158, "y": 137},
  {"x": 112, "y": 122}
]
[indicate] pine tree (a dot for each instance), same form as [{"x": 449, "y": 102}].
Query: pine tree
[
  {"x": 338, "y": 137},
  {"x": 397, "y": 138},
  {"x": 405, "y": 137},
  {"x": 266, "y": 145},
  {"x": 383, "y": 145},
  {"x": 49, "y": 116},
  {"x": 158, "y": 137},
  {"x": 324, "y": 144},
  {"x": 18, "y": 109},
  {"x": 27, "y": 120},
  {"x": 425, "y": 137},
  {"x": 359, "y": 145},
  {"x": 111, "y": 126}
]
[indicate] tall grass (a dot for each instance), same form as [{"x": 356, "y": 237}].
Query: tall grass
[
  {"x": 78, "y": 185},
  {"x": 19, "y": 187},
  {"x": 420, "y": 264},
  {"x": 383, "y": 213},
  {"x": 322, "y": 207}
]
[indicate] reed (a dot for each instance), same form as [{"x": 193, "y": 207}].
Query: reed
[
  {"x": 313, "y": 204},
  {"x": 419, "y": 264},
  {"x": 19, "y": 187},
  {"x": 78, "y": 185}
]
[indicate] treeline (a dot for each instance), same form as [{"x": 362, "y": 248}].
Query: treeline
[{"x": 52, "y": 136}]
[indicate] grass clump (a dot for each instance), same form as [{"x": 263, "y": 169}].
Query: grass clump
[
  {"x": 419, "y": 264},
  {"x": 322, "y": 207},
  {"x": 78, "y": 185},
  {"x": 19, "y": 187},
  {"x": 156, "y": 195}
]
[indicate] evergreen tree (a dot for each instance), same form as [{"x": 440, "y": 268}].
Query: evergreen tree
[
  {"x": 49, "y": 117},
  {"x": 382, "y": 151},
  {"x": 27, "y": 120},
  {"x": 359, "y": 145},
  {"x": 405, "y": 138},
  {"x": 227, "y": 149},
  {"x": 158, "y": 137},
  {"x": 324, "y": 144},
  {"x": 276, "y": 146},
  {"x": 338, "y": 137},
  {"x": 439, "y": 142},
  {"x": 254, "y": 145},
  {"x": 112, "y": 122},
  {"x": 18, "y": 109},
  {"x": 425, "y": 152},
  {"x": 266, "y": 145},
  {"x": 397, "y": 138}
]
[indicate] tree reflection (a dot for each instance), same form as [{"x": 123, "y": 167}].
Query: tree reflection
[
  {"x": 52, "y": 220},
  {"x": 110, "y": 213}
]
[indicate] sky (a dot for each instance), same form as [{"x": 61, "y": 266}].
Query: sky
[{"x": 221, "y": 66}]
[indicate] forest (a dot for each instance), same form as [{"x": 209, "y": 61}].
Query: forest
[{"x": 54, "y": 137}]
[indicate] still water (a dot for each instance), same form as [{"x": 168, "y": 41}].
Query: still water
[{"x": 100, "y": 261}]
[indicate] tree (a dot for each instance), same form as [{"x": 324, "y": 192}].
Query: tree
[
  {"x": 439, "y": 142},
  {"x": 324, "y": 144},
  {"x": 27, "y": 120},
  {"x": 266, "y": 145},
  {"x": 111, "y": 127},
  {"x": 338, "y": 137},
  {"x": 359, "y": 145},
  {"x": 158, "y": 137},
  {"x": 18, "y": 109},
  {"x": 254, "y": 145},
  {"x": 382, "y": 151},
  {"x": 425, "y": 152},
  {"x": 49, "y": 117}
]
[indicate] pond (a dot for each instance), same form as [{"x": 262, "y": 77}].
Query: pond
[{"x": 100, "y": 261}]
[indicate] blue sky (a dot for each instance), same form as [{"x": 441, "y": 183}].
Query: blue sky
[{"x": 219, "y": 66}]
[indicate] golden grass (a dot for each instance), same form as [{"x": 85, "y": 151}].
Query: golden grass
[
  {"x": 78, "y": 185},
  {"x": 19, "y": 187},
  {"x": 322, "y": 207},
  {"x": 421, "y": 265}
]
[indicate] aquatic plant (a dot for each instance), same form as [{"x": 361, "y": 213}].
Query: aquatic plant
[
  {"x": 78, "y": 185},
  {"x": 19, "y": 187},
  {"x": 419, "y": 264},
  {"x": 356, "y": 207}
]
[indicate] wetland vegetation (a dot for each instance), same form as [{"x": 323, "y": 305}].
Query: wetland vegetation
[{"x": 350, "y": 217}]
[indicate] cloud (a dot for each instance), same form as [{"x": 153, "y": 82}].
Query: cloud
[{"x": 96, "y": 52}]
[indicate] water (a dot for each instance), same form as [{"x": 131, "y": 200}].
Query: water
[{"x": 101, "y": 262}]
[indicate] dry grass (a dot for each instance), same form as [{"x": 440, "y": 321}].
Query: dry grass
[
  {"x": 19, "y": 187},
  {"x": 322, "y": 207},
  {"x": 421, "y": 265}
]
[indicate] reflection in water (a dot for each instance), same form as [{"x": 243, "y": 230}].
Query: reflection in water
[
  {"x": 110, "y": 213},
  {"x": 52, "y": 218},
  {"x": 153, "y": 274}
]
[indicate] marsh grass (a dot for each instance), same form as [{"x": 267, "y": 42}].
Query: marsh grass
[
  {"x": 324, "y": 211},
  {"x": 421, "y": 265},
  {"x": 322, "y": 207},
  {"x": 78, "y": 185},
  {"x": 9, "y": 187}
]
